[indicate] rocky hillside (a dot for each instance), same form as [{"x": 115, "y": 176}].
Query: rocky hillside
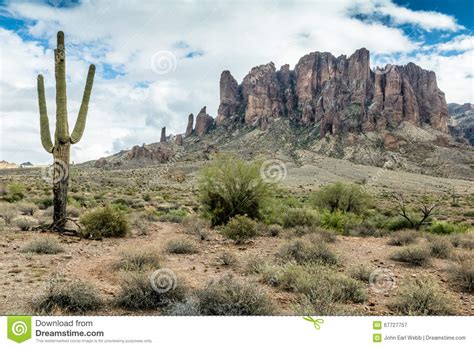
[
  {"x": 336, "y": 95},
  {"x": 461, "y": 123}
]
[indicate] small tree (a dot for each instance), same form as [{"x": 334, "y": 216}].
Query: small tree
[
  {"x": 415, "y": 220},
  {"x": 62, "y": 140},
  {"x": 231, "y": 186}
]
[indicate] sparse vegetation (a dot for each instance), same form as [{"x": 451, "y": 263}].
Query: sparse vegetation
[
  {"x": 303, "y": 251},
  {"x": 462, "y": 273},
  {"x": 422, "y": 297},
  {"x": 25, "y": 223},
  {"x": 137, "y": 293},
  {"x": 44, "y": 245},
  {"x": 227, "y": 259},
  {"x": 181, "y": 246},
  {"x": 361, "y": 272},
  {"x": 413, "y": 255},
  {"x": 138, "y": 259},
  {"x": 440, "y": 247},
  {"x": 105, "y": 222},
  {"x": 63, "y": 296},
  {"x": 227, "y": 296},
  {"x": 299, "y": 217},
  {"x": 403, "y": 237}
]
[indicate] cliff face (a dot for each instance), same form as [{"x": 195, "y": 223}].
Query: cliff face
[{"x": 338, "y": 94}]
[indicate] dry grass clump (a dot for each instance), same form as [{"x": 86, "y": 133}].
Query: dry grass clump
[
  {"x": 181, "y": 246},
  {"x": 138, "y": 259},
  {"x": 307, "y": 250},
  {"x": 43, "y": 245},
  {"x": 403, "y": 237},
  {"x": 413, "y": 255}
]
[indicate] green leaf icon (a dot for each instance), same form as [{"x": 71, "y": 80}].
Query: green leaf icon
[{"x": 19, "y": 328}]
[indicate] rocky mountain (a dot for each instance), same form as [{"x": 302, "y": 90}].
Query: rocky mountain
[
  {"x": 461, "y": 123},
  {"x": 336, "y": 95}
]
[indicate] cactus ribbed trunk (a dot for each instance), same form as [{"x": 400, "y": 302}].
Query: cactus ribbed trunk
[
  {"x": 62, "y": 139},
  {"x": 60, "y": 185}
]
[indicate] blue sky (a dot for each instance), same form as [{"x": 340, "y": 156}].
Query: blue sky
[{"x": 158, "y": 61}]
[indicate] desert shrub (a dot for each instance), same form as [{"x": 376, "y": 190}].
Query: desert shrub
[
  {"x": 173, "y": 215},
  {"x": 299, "y": 217},
  {"x": 422, "y": 297},
  {"x": 462, "y": 240},
  {"x": 326, "y": 235},
  {"x": 341, "y": 197},
  {"x": 230, "y": 297},
  {"x": 181, "y": 246},
  {"x": 227, "y": 259},
  {"x": 231, "y": 187},
  {"x": 366, "y": 228},
  {"x": 338, "y": 220},
  {"x": 25, "y": 223},
  {"x": 105, "y": 222},
  {"x": 44, "y": 245},
  {"x": 413, "y": 255},
  {"x": 303, "y": 251},
  {"x": 240, "y": 228},
  {"x": 27, "y": 208},
  {"x": 137, "y": 293},
  {"x": 2, "y": 223},
  {"x": 8, "y": 212},
  {"x": 446, "y": 228},
  {"x": 141, "y": 224},
  {"x": 462, "y": 273},
  {"x": 16, "y": 192},
  {"x": 403, "y": 237},
  {"x": 137, "y": 259},
  {"x": 44, "y": 203},
  {"x": 195, "y": 226},
  {"x": 320, "y": 284},
  {"x": 440, "y": 246},
  {"x": 361, "y": 272},
  {"x": 188, "y": 307},
  {"x": 255, "y": 265},
  {"x": 398, "y": 223},
  {"x": 274, "y": 230},
  {"x": 69, "y": 297}
]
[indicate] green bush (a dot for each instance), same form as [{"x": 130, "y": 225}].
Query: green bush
[
  {"x": 422, "y": 297},
  {"x": 299, "y": 217},
  {"x": 413, "y": 255},
  {"x": 398, "y": 223},
  {"x": 44, "y": 203},
  {"x": 338, "y": 221},
  {"x": 303, "y": 251},
  {"x": 67, "y": 297},
  {"x": 16, "y": 192},
  {"x": 231, "y": 186},
  {"x": 446, "y": 228},
  {"x": 230, "y": 297},
  {"x": 240, "y": 228},
  {"x": 181, "y": 246},
  {"x": 105, "y": 222},
  {"x": 45, "y": 245},
  {"x": 137, "y": 293},
  {"x": 341, "y": 197}
]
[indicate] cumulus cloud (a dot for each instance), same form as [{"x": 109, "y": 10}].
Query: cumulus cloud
[{"x": 131, "y": 102}]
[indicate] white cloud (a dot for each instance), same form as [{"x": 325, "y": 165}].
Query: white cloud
[
  {"x": 459, "y": 43},
  {"x": 124, "y": 35}
]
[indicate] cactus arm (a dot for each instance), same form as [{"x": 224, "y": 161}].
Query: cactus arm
[
  {"x": 44, "y": 121},
  {"x": 62, "y": 131},
  {"x": 82, "y": 116}
]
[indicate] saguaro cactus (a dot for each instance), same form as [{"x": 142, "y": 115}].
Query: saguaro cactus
[{"x": 62, "y": 140}]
